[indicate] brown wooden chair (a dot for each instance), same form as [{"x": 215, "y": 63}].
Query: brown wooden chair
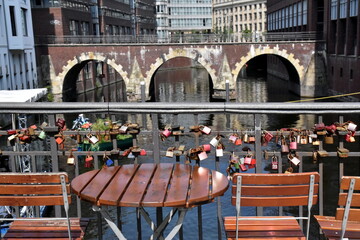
[
  {"x": 271, "y": 190},
  {"x": 39, "y": 189},
  {"x": 346, "y": 223}
]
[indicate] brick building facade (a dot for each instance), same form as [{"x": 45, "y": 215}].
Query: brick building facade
[{"x": 336, "y": 22}]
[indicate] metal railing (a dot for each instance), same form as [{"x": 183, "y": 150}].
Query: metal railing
[
  {"x": 179, "y": 38},
  {"x": 156, "y": 152}
]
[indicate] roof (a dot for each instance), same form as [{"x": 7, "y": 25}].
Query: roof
[{"x": 27, "y": 95}]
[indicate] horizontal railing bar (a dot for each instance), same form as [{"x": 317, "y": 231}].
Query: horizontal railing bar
[{"x": 180, "y": 108}]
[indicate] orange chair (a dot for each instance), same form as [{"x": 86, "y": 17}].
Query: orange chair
[
  {"x": 40, "y": 189},
  {"x": 346, "y": 223},
  {"x": 271, "y": 190}
]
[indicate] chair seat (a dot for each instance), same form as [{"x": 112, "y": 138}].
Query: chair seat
[
  {"x": 47, "y": 229},
  {"x": 331, "y": 227},
  {"x": 260, "y": 229}
]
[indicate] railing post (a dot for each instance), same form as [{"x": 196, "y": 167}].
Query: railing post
[
  {"x": 258, "y": 153},
  {"x": 155, "y": 135}
]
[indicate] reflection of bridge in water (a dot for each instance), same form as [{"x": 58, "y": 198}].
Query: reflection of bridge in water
[{"x": 135, "y": 64}]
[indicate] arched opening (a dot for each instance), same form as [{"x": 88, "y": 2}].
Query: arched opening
[
  {"x": 93, "y": 81},
  {"x": 268, "y": 78},
  {"x": 181, "y": 79}
]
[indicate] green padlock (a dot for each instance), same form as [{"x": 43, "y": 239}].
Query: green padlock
[{"x": 42, "y": 135}]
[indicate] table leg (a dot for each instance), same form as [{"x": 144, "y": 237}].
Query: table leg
[
  {"x": 167, "y": 220},
  {"x": 157, "y": 230},
  {"x": 110, "y": 222}
]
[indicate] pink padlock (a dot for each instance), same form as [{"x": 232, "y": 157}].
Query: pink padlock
[
  {"x": 166, "y": 133},
  {"x": 232, "y": 138},
  {"x": 247, "y": 160},
  {"x": 207, "y": 147},
  {"x": 293, "y": 145}
]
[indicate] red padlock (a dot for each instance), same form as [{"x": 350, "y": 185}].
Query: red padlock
[{"x": 143, "y": 152}]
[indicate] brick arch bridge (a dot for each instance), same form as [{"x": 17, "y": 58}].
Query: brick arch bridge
[{"x": 223, "y": 62}]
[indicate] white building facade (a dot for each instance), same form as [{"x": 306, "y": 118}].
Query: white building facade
[
  {"x": 17, "y": 52},
  {"x": 183, "y": 16},
  {"x": 239, "y": 16}
]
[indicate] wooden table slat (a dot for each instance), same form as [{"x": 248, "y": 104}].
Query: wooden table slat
[
  {"x": 96, "y": 186},
  {"x": 137, "y": 188},
  {"x": 82, "y": 181},
  {"x": 156, "y": 192},
  {"x": 179, "y": 184},
  {"x": 200, "y": 186},
  {"x": 118, "y": 185}
]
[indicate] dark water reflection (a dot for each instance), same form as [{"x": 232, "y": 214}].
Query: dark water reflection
[{"x": 193, "y": 85}]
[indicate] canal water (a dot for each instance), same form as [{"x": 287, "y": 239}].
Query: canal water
[{"x": 193, "y": 85}]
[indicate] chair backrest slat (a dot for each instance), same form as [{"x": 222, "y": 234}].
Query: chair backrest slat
[
  {"x": 274, "y": 201},
  {"x": 355, "y": 202},
  {"x": 275, "y": 189},
  {"x": 46, "y": 200},
  {"x": 31, "y": 178},
  {"x": 32, "y": 189},
  {"x": 345, "y": 183},
  {"x": 354, "y": 214}
]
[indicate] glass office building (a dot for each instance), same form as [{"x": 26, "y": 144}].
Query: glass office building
[{"x": 183, "y": 16}]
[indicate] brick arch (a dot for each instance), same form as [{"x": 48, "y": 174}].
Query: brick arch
[
  {"x": 174, "y": 53},
  {"x": 58, "y": 83},
  {"x": 266, "y": 50}
]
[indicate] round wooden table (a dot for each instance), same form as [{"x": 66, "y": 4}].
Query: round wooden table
[{"x": 150, "y": 185}]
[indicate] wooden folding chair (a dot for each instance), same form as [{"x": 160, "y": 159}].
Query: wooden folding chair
[
  {"x": 271, "y": 190},
  {"x": 346, "y": 223},
  {"x": 39, "y": 189}
]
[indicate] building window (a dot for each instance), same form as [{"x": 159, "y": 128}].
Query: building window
[
  {"x": 354, "y": 5},
  {"x": 299, "y": 13},
  {"x": 290, "y": 16},
  {"x": 341, "y": 72},
  {"x": 85, "y": 28},
  {"x": 24, "y": 22},
  {"x": 74, "y": 27},
  {"x": 295, "y": 15},
  {"x": 304, "y": 12},
  {"x": 334, "y": 8},
  {"x": 332, "y": 71},
  {"x": 343, "y": 4},
  {"x": 12, "y": 19}
]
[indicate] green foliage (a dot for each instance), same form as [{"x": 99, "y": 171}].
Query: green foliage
[{"x": 100, "y": 125}]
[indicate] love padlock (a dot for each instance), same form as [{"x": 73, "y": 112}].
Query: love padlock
[
  {"x": 274, "y": 163},
  {"x": 202, "y": 156},
  {"x": 42, "y": 135},
  {"x": 143, "y": 152},
  {"x": 93, "y": 139},
  {"x": 233, "y": 138},
  {"x": 214, "y": 142},
  {"x": 205, "y": 129},
  {"x": 207, "y": 147},
  {"x": 71, "y": 159}
]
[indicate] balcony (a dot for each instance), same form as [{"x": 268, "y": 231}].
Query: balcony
[{"x": 240, "y": 118}]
